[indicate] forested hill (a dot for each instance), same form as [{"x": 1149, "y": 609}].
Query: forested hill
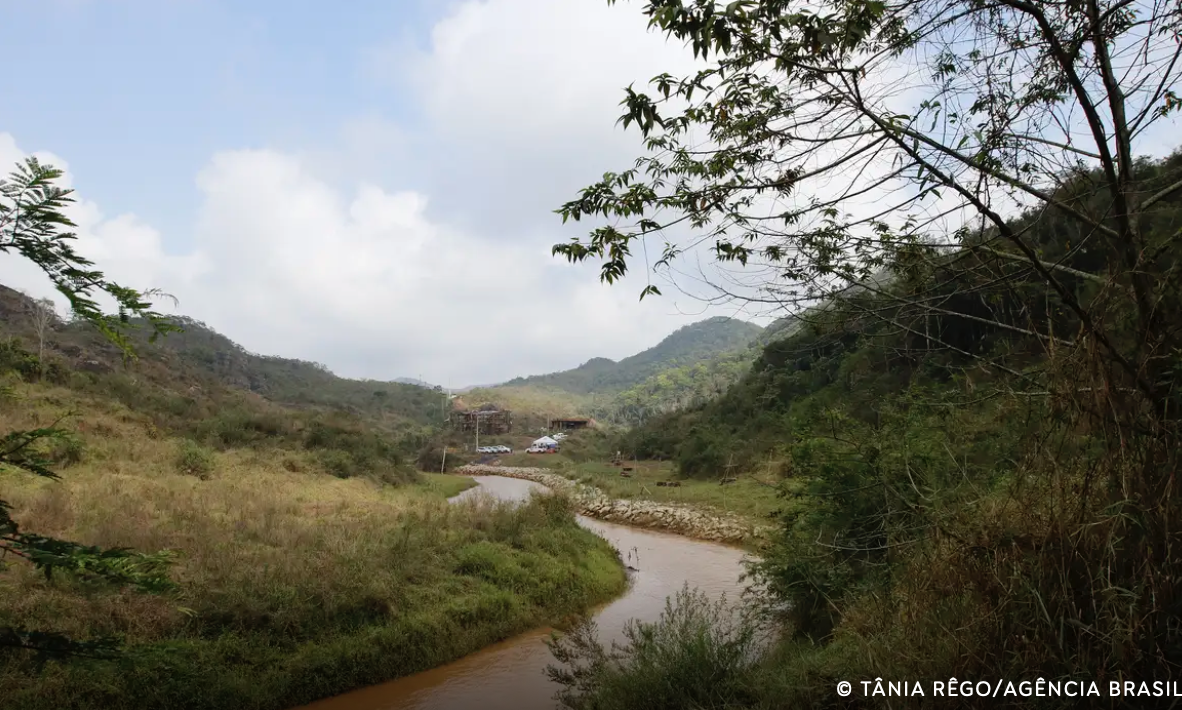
[
  {"x": 847, "y": 371},
  {"x": 687, "y": 346},
  {"x": 199, "y": 357},
  {"x": 298, "y": 382},
  {"x": 676, "y": 388}
]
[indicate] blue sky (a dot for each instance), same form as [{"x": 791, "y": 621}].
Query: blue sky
[{"x": 137, "y": 94}]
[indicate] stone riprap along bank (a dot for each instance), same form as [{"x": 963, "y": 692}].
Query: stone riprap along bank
[{"x": 594, "y": 503}]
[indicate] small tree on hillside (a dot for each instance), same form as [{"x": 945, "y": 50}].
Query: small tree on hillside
[
  {"x": 32, "y": 225},
  {"x": 43, "y": 314}
]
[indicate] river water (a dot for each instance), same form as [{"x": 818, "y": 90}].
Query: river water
[{"x": 511, "y": 675}]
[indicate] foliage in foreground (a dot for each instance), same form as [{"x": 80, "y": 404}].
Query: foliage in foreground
[
  {"x": 698, "y": 654},
  {"x": 31, "y": 225}
]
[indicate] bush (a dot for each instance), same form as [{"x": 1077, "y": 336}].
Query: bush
[
  {"x": 704, "y": 453},
  {"x": 194, "y": 459},
  {"x": 699, "y": 654},
  {"x": 14, "y": 358},
  {"x": 338, "y": 463},
  {"x": 240, "y": 427},
  {"x": 589, "y": 445},
  {"x": 68, "y": 449},
  {"x": 431, "y": 458}
]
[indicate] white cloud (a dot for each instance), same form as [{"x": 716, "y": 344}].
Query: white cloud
[
  {"x": 421, "y": 246},
  {"x": 517, "y": 102},
  {"x": 286, "y": 264}
]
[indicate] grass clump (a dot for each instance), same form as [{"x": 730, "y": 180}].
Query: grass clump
[
  {"x": 698, "y": 654},
  {"x": 194, "y": 459},
  {"x": 445, "y": 484}
]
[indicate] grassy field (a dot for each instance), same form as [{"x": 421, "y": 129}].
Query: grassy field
[
  {"x": 446, "y": 484},
  {"x": 294, "y": 585},
  {"x": 748, "y": 496}
]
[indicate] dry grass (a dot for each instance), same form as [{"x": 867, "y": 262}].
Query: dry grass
[{"x": 287, "y": 575}]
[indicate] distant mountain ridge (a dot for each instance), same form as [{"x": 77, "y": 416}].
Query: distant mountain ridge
[{"x": 687, "y": 346}]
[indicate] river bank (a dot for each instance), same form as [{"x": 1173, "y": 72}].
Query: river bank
[
  {"x": 511, "y": 675},
  {"x": 684, "y": 520},
  {"x": 293, "y": 585}
]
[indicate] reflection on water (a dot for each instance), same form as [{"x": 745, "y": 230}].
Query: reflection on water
[{"x": 510, "y": 675}]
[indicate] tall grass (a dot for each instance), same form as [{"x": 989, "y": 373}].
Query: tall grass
[
  {"x": 295, "y": 585},
  {"x": 699, "y": 654}
]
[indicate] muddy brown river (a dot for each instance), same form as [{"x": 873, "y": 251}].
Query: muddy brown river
[{"x": 511, "y": 675}]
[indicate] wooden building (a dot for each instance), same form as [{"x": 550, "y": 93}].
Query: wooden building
[{"x": 490, "y": 419}]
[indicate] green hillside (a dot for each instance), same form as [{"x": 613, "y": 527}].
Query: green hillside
[
  {"x": 187, "y": 525},
  {"x": 957, "y": 468},
  {"x": 692, "y": 385},
  {"x": 198, "y": 362},
  {"x": 687, "y": 346},
  {"x": 201, "y": 385},
  {"x": 295, "y": 382}
]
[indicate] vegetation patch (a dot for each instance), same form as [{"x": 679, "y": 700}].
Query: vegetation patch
[
  {"x": 447, "y": 485},
  {"x": 292, "y": 585}
]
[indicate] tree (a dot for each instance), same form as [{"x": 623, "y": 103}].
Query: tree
[
  {"x": 909, "y": 114},
  {"x": 31, "y": 225},
  {"x": 951, "y": 169},
  {"x": 43, "y": 314}
]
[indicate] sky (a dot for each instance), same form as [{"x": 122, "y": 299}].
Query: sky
[{"x": 372, "y": 189}]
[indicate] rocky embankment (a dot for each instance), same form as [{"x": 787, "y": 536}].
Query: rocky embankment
[{"x": 594, "y": 503}]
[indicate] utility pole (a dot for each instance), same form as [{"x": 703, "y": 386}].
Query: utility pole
[
  {"x": 730, "y": 464},
  {"x": 478, "y": 430}
]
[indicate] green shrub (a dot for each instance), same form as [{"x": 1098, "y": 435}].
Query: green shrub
[
  {"x": 241, "y": 427},
  {"x": 699, "y": 654},
  {"x": 431, "y": 458},
  {"x": 589, "y": 445},
  {"x": 194, "y": 459},
  {"x": 338, "y": 463},
  {"x": 15, "y": 358},
  {"x": 67, "y": 449},
  {"x": 704, "y": 453}
]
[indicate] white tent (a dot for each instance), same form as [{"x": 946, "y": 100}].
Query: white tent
[{"x": 545, "y": 441}]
